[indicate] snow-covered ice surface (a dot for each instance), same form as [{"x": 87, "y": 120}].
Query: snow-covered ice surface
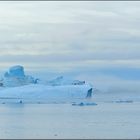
[{"x": 107, "y": 119}]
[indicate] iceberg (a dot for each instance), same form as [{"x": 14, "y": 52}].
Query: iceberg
[{"x": 18, "y": 87}]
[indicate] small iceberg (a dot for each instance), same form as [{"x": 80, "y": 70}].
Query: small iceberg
[
  {"x": 124, "y": 101},
  {"x": 84, "y": 104}
]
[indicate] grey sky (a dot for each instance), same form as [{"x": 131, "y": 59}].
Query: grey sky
[{"x": 70, "y": 36}]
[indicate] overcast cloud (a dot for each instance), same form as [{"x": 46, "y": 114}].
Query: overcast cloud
[{"x": 79, "y": 38}]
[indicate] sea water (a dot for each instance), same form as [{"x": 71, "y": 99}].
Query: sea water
[{"x": 104, "y": 120}]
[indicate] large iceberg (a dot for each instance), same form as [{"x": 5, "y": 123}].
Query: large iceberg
[{"x": 16, "y": 85}]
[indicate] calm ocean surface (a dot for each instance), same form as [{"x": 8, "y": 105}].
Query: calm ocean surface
[{"x": 106, "y": 120}]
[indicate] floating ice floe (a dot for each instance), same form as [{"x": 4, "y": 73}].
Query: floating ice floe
[
  {"x": 124, "y": 101},
  {"x": 17, "y": 86},
  {"x": 84, "y": 104}
]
